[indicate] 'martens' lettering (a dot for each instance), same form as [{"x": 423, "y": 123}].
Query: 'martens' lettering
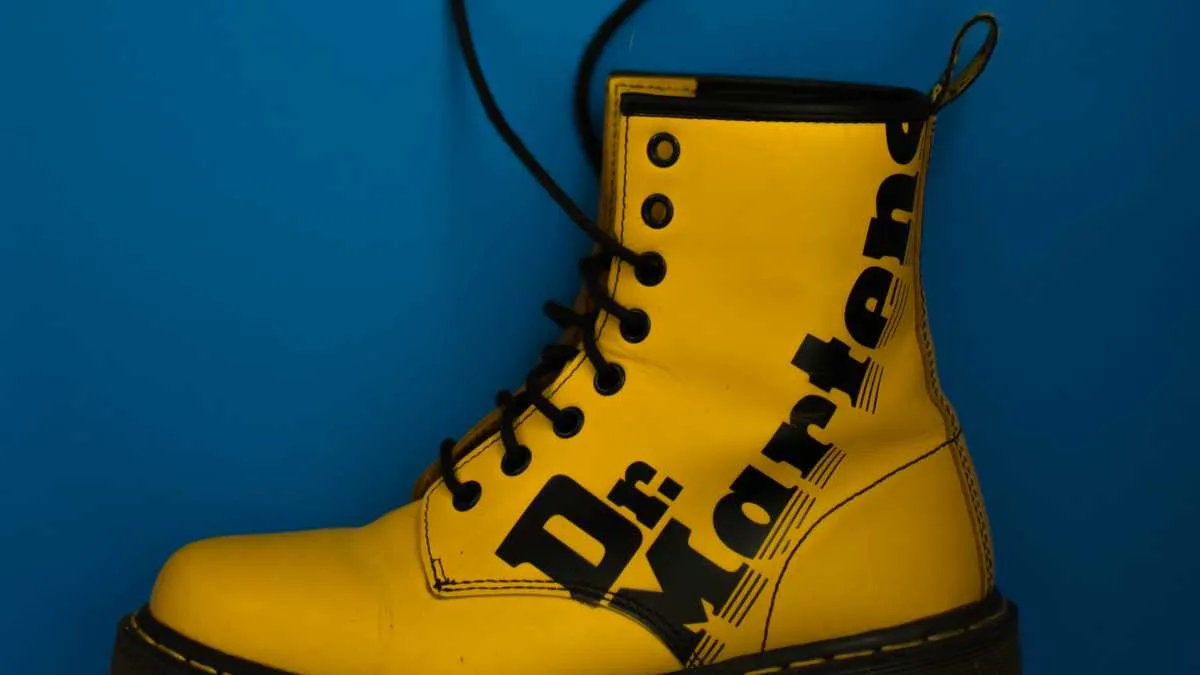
[
  {"x": 886, "y": 236},
  {"x": 830, "y": 366},
  {"x": 829, "y": 363},
  {"x": 864, "y": 308},
  {"x": 735, "y": 529},
  {"x": 687, "y": 579},
  {"x": 903, "y": 140},
  {"x": 792, "y": 444}
]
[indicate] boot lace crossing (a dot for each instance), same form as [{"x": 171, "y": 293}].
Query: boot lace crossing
[{"x": 649, "y": 268}]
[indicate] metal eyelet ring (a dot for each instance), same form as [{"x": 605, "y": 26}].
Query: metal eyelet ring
[
  {"x": 610, "y": 380},
  {"x": 515, "y": 463},
  {"x": 635, "y": 326},
  {"x": 663, "y": 150},
  {"x": 467, "y": 496},
  {"x": 651, "y": 272},
  {"x": 657, "y": 211},
  {"x": 569, "y": 422}
]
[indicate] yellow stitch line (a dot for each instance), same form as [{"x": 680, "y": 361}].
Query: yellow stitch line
[
  {"x": 903, "y": 645},
  {"x": 133, "y": 622},
  {"x": 991, "y": 619},
  {"x": 888, "y": 648},
  {"x": 946, "y": 635},
  {"x": 637, "y": 86}
]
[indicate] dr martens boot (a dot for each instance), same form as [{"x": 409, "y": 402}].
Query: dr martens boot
[{"x": 738, "y": 460}]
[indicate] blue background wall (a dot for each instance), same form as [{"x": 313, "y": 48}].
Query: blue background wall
[{"x": 257, "y": 258}]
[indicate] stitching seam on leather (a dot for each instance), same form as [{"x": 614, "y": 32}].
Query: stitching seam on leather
[
  {"x": 813, "y": 528},
  {"x": 673, "y": 633},
  {"x": 968, "y": 483},
  {"x": 983, "y": 532},
  {"x": 924, "y": 334}
]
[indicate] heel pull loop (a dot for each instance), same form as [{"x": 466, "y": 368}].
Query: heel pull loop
[{"x": 950, "y": 86}]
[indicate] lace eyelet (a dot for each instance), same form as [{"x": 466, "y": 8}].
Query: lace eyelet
[
  {"x": 657, "y": 211},
  {"x": 651, "y": 269},
  {"x": 569, "y": 422},
  {"x": 663, "y": 150},
  {"x": 514, "y": 463},
  {"x": 467, "y": 496},
  {"x": 610, "y": 380},
  {"x": 635, "y": 326}
]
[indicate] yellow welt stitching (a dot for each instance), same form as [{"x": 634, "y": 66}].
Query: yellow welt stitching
[
  {"x": 945, "y": 635},
  {"x": 903, "y": 645},
  {"x": 991, "y": 619},
  {"x": 133, "y": 622}
]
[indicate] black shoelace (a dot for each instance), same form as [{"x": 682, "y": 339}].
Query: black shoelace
[{"x": 649, "y": 268}]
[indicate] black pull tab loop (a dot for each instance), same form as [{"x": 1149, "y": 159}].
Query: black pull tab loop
[{"x": 952, "y": 85}]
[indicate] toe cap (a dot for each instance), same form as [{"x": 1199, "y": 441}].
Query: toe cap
[{"x": 299, "y": 602}]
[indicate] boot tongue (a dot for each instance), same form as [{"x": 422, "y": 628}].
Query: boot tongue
[{"x": 618, "y": 85}]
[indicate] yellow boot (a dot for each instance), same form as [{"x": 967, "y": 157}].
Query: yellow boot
[{"x": 742, "y": 464}]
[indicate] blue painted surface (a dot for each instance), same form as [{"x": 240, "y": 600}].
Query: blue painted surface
[{"x": 257, "y": 258}]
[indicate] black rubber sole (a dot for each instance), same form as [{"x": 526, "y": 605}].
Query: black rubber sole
[
  {"x": 981, "y": 639},
  {"x": 147, "y": 647}
]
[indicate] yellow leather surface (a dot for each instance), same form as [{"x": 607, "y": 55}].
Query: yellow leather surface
[
  {"x": 766, "y": 245},
  {"x": 865, "y": 558},
  {"x": 354, "y": 602}
]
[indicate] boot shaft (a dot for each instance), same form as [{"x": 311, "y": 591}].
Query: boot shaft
[{"x": 788, "y": 217}]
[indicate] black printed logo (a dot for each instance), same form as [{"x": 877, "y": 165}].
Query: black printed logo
[{"x": 756, "y": 515}]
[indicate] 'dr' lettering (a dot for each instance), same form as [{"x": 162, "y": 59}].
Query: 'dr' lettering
[{"x": 530, "y": 542}]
